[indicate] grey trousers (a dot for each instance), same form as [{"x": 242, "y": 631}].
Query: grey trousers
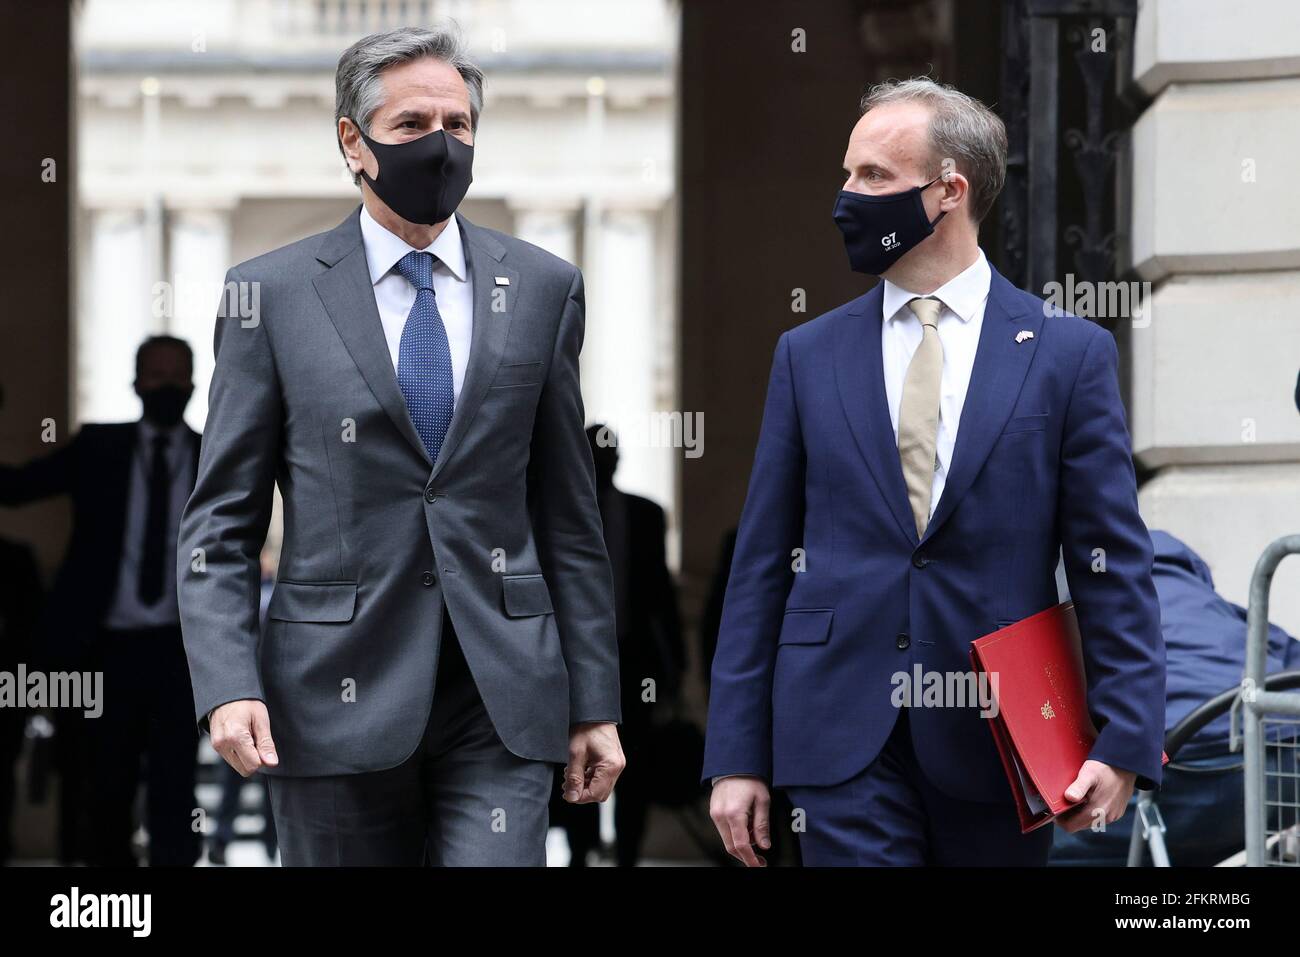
[{"x": 461, "y": 799}]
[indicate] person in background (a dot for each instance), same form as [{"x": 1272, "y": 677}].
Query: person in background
[
  {"x": 1201, "y": 796},
  {"x": 710, "y": 623},
  {"x": 650, "y": 648},
  {"x": 711, "y": 618},
  {"x": 20, "y": 600},
  {"x": 114, "y": 610}
]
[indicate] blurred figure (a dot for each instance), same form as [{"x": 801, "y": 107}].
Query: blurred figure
[
  {"x": 1205, "y": 642},
  {"x": 711, "y": 620},
  {"x": 650, "y": 648},
  {"x": 114, "y": 610},
  {"x": 20, "y": 598}
]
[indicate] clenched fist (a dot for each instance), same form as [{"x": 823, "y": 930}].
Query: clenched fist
[
  {"x": 241, "y": 733},
  {"x": 740, "y": 806}
]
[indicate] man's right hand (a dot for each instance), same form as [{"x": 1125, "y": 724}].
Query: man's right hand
[
  {"x": 739, "y": 807},
  {"x": 241, "y": 733}
]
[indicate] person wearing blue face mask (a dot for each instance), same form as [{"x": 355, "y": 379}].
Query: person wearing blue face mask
[{"x": 927, "y": 451}]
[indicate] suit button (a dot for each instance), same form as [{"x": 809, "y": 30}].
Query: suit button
[
  {"x": 427, "y": 579},
  {"x": 902, "y": 641},
  {"x": 919, "y": 561},
  {"x": 430, "y": 495}
]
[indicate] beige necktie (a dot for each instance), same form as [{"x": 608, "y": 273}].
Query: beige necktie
[{"x": 918, "y": 412}]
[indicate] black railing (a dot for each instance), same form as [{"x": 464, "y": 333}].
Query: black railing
[{"x": 1064, "y": 128}]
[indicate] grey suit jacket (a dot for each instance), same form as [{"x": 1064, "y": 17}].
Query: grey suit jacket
[{"x": 503, "y": 528}]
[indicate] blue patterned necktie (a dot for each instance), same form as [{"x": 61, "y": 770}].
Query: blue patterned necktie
[{"x": 424, "y": 359}]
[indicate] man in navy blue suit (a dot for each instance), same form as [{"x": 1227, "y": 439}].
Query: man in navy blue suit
[{"x": 927, "y": 453}]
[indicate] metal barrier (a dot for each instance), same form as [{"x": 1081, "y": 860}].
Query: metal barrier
[{"x": 1272, "y": 795}]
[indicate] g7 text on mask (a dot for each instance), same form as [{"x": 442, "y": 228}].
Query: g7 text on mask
[{"x": 878, "y": 230}]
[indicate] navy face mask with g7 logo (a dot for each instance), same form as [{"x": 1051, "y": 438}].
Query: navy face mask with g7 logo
[{"x": 878, "y": 230}]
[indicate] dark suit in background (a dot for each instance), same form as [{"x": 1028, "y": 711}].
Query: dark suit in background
[
  {"x": 710, "y": 624},
  {"x": 20, "y": 602},
  {"x": 146, "y": 692},
  {"x": 650, "y": 646},
  {"x": 711, "y": 619}
]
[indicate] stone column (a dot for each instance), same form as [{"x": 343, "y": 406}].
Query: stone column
[
  {"x": 625, "y": 355},
  {"x": 114, "y": 314},
  {"x": 1214, "y": 231},
  {"x": 199, "y": 255},
  {"x": 551, "y": 225}
]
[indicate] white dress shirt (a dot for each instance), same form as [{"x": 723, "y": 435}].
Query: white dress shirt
[
  {"x": 126, "y": 611},
  {"x": 395, "y": 296},
  {"x": 960, "y": 320}
]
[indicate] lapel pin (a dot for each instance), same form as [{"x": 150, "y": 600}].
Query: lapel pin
[
  {"x": 1024, "y": 334},
  {"x": 503, "y": 280}
]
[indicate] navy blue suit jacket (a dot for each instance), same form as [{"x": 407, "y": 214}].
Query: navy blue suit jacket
[{"x": 801, "y": 687}]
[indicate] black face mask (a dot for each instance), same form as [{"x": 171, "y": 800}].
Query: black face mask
[
  {"x": 878, "y": 230},
  {"x": 422, "y": 180},
  {"x": 165, "y": 405}
]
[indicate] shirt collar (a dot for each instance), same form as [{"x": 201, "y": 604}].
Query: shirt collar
[
  {"x": 963, "y": 294},
  {"x": 384, "y": 248}
]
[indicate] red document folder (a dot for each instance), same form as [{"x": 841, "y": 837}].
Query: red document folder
[{"x": 1042, "y": 728}]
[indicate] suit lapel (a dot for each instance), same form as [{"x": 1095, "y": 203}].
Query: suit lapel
[
  {"x": 349, "y": 298},
  {"x": 860, "y": 379},
  {"x": 999, "y": 372},
  {"x": 494, "y": 308}
]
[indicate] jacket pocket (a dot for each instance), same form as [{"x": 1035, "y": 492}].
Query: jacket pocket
[
  {"x": 313, "y": 601},
  {"x": 526, "y": 595},
  {"x": 517, "y": 373},
  {"x": 806, "y": 626},
  {"x": 1026, "y": 423}
]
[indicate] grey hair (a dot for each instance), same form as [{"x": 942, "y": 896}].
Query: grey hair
[
  {"x": 961, "y": 127},
  {"x": 358, "y": 86}
]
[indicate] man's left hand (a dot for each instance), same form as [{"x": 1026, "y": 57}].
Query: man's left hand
[
  {"x": 595, "y": 762},
  {"x": 1101, "y": 793}
]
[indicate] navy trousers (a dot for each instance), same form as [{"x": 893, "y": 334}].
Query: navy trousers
[{"x": 889, "y": 814}]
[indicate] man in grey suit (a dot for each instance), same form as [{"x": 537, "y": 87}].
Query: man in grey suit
[{"x": 442, "y": 632}]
